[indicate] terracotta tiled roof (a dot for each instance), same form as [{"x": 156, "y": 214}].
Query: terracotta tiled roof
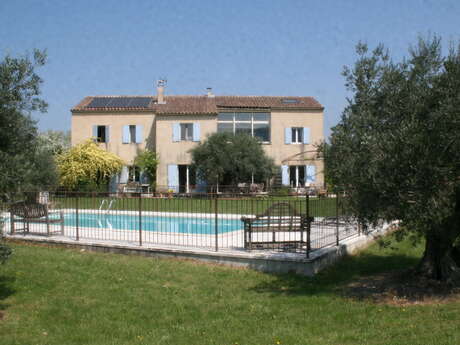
[
  {"x": 186, "y": 105},
  {"x": 183, "y": 105},
  {"x": 275, "y": 102}
]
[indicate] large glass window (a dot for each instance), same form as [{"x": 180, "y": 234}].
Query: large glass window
[{"x": 254, "y": 124}]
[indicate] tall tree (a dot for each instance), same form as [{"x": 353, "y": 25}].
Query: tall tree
[
  {"x": 54, "y": 141},
  {"x": 25, "y": 165},
  {"x": 224, "y": 158},
  {"x": 396, "y": 150},
  {"x": 147, "y": 161}
]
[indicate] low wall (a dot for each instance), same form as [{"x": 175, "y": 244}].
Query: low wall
[{"x": 271, "y": 262}]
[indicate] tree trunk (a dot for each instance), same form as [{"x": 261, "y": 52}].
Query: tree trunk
[{"x": 438, "y": 261}]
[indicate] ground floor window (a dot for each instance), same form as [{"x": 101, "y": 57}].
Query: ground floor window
[
  {"x": 134, "y": 174},
  {"x": 187, "y": 178},
  {"x": 297, "y": 176}
]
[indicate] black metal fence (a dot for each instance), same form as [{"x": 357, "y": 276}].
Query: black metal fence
[{"x": 214, "y": 221}]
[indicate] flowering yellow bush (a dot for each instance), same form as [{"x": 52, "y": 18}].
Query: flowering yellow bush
[{"x": 86, "y": 163}]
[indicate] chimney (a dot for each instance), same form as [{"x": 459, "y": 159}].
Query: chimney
[
  {"x": 209, "y": 90},
  {"x": 161, "y": 91}
]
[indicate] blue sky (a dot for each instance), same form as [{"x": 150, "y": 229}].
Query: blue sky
[{"x": 236, "y": 47}]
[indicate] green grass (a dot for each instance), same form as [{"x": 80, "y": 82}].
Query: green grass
[
  {"x": 318, "y": 207},
  {"x": 63, "y": 296}
]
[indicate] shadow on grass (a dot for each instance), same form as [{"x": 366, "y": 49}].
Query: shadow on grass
[
  {"x": 329, "y": 280},
  {"x": 5, "y": 291}
]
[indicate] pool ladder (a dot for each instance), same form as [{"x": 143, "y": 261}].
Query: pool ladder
[{"x": 107, "y": 210}]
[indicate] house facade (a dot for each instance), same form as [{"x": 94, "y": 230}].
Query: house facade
[{"x": 287, "y": 127}]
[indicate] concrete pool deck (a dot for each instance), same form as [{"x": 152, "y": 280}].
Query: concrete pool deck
[{"x": 202, "y": 247}]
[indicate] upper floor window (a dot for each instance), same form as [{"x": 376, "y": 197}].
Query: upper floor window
[
  {"x": 253, "y": 124},
  {"x": 101, "y": 134},
  {"x": 297, "y": 135},
  {"x": 132, "y": 134},
  {"x": 186, "y": 131}
]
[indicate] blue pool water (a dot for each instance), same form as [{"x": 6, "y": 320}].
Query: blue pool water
[{"x": 154, "y": 223}]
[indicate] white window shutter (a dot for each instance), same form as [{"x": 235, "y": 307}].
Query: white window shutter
[
  {"x": 196, "y": 131},
  {"x": 306, "y": 135},
  {"x": 126, "y": 135},
  {"x": 173, "y": 177},
  {"x": 107, "y": 134},
  {"x": 310, "y": 173},
  {"x": 176, "y": 132},
  {"x": 285, "y": 175},
  {"x": 288, "y": 135},
  {"x": 139, "y": 134}
]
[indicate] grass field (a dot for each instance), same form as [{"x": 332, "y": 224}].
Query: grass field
[
  {"x": 64, "y": 296},
  {"x": 317, "y": 207}
]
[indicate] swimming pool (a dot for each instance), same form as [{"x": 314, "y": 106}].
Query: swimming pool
[{"x": 188, "y": 225}]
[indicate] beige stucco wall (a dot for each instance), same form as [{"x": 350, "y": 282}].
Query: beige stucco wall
[
  {"x": 82, "y": 129},
  {"x": 177, "y": 152},
  {"x": 157, "y": 135},
  {"x": 283, "y": 154},
  {"x": 288, "y": 154}
]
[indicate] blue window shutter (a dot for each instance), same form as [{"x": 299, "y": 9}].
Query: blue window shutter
[
  {"x": 173, "y": 177},
  {"x": 139, "y": 134},
  {"x": 176, "y": 132},
  {"x": 306, "y": 135},
  {"x": 124, "y": 175},
  {"x": 288, "y": 135},
  {"x": 113, "y": 185},
  {"x": 196, "y": 131},
  {"x": 285, "y": 175},
  {"x": 95, "y": 133},
  {"x": 107, "y": 134},
  {"x": 126, "y": 135},
  {"x": 310, "y": 171}
]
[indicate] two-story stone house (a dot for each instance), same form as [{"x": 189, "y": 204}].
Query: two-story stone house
[{"x": 288, "y": 127}]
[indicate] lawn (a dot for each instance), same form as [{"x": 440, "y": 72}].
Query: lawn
[
  {"x": 318, "y": 207},
  {"x": 65, "y": 296}
]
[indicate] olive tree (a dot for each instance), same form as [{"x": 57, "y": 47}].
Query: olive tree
[
  {"x": 26, "y": 165},
  {"x": 224, "y": 158},
  {"x": 396, "y": 150}
]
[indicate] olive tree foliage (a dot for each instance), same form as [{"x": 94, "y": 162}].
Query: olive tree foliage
[
  {"x": 26, "y": 165},
  {"x": 54, "y": 141},
  {"x": 224, "y": 158},
  {"x": 5, "y": 250},
  {"x": 87, "y": 167},
  {"x": 147, "y": 161},
  {"x": 396, "y": 150}
]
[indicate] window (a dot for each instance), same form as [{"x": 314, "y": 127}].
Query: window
[
  {"x": 186, "y": 131},
  {"x": 134, "y": 174},
  {"x": 290, "y": 101},
  {"x": 297, "y": 135},
  {"x": 101, "y": 134},
  {"x": 132, "y": 134},
  {"x": 254, "y": 124},
  {"x": 297, "y": 175}
]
